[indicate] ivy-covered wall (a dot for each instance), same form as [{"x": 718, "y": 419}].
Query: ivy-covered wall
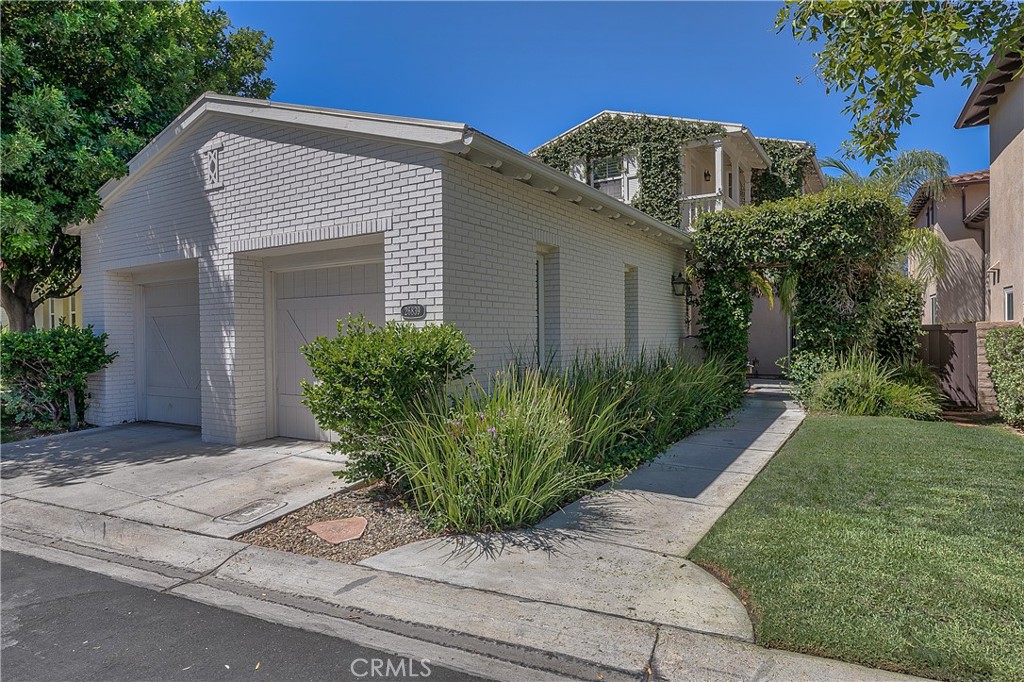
[
  {"x": 790, "y": 162},
  {"x": 657, "y": 143}
]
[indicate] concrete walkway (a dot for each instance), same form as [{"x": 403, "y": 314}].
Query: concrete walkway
[
  {"x": 622, "y": 550},
  {"x": 599, "y": 591},
  {"x": 167, "y": 476}
]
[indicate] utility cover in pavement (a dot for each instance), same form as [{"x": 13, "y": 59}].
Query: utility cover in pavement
[
  {"x": 339, "y": 530},
  {"x": 251, "y": 511}
]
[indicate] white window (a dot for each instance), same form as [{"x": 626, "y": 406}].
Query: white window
[
  {"x": 53, "y": 313},
  {"x": 934, "y": 309},
  {"x": 1008, "y": 307},
  {"x": 73, "y": 307},
  {"x": 616, "y": 176}
]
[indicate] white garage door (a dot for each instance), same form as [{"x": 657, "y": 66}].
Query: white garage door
[
  {"x": 309, "y": 304},
  {"x": 171, "y": 387}
]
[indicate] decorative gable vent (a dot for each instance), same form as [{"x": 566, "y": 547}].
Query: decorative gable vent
[{"x": 210, "y": 160}]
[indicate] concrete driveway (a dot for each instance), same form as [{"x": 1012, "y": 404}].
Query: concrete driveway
[{"x": 165, "y": 475}]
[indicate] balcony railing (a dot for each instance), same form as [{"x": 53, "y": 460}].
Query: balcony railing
[{"x": 692, "y": 207}]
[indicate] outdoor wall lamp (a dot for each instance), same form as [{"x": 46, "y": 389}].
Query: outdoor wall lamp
[
  {"x": 679, "y": 284},
  {"x": 707, "y": 175}
]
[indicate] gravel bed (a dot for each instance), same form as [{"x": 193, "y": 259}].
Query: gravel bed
[{"x": 389, "y": 524}]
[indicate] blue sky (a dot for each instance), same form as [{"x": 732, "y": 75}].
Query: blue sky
[{"x": 524, "y": 72}]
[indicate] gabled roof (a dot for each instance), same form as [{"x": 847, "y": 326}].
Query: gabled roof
[
  {"x": 732, "y": 129},
  {"x": 920, "y": 198},
  {"x": 445, "y": 136},
  {"x": 987, "y": 91}
]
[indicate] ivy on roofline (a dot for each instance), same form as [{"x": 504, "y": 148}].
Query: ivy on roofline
[{"x": 656, "y": 143}]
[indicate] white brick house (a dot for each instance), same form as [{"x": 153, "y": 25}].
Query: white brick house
[{"x": 247, "y": 227}]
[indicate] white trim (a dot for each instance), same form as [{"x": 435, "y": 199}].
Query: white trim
[{"x": 443, "y": 136}]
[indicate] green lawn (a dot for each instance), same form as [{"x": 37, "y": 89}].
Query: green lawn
[{"x": 887, "y": 542}]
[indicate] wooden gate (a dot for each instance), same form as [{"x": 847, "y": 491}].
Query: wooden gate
[{"x": 952, "y": 351}]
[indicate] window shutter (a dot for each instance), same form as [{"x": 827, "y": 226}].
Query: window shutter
[
  {"x": 631, "y": 181},
  {"x": 578, "y": 170}
]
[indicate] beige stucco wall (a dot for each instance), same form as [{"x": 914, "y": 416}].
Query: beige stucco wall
[
  {"x": 1006, "y": 142},
  {"x": 960, "y": 294}
]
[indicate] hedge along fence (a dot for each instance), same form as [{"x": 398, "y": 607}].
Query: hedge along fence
[
  {"x": 835, "y": 248},
  {"x": 1005, "y": 350},
  {"x": 45, "y": 371}
]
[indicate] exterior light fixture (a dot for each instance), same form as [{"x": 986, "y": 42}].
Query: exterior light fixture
[
  {"x": 679, "y": 284},
  {"x": 707, "y": 175}
]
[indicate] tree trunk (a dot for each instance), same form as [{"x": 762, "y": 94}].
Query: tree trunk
[
  {"x": 72, "y": 410},
  {"x": 18, "y": 304}
]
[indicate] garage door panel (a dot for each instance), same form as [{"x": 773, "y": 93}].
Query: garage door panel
[
  {"x": 171, "y": 391},
  {"x": 309, "y": 304}
]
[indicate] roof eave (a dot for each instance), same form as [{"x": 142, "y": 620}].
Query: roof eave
[{"x": 531, "y": 171}]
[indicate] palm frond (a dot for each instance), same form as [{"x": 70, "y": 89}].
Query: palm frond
[
  {"x": 927, "y": 252},
  {"x": 913, "y": 169}
]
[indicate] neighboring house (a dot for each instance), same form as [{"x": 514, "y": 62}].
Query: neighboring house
[
  {"x": 52, "y": 311},
  {"x": 718, "y": 171},
  {"x": 998, "y": 102},
  {"x": 247, "y": 228},
  {"x": 961, "y": 218}
]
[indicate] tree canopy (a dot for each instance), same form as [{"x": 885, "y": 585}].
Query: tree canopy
[
  {"x": 84, "y": 87},
  {"x": 880, "y": 54}
]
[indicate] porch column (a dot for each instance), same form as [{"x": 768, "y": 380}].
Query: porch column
[{"x": 719, "y": 171}]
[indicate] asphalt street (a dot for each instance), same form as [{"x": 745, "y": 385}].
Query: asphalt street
[{"x": 61, "y": 623}]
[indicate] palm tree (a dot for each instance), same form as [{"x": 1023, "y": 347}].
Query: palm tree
[{"x": 903, "y": 176}]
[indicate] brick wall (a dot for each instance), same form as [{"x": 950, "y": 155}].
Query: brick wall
[
  {"x": 494, "y": 227},
  {"x": 280, "y": 185}
]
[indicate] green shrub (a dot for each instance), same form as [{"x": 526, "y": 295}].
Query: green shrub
[
  {"x": 492, "y": 460},
  {"x": 910, "y": 401},
  {"x": 861, "y": 384},
  {"x": 368, "y": 376},
  {"x": 1005, "y": 351},
  {"x": 897, "y": 315},
  {"x": 804, "y": 367},
  {"x": 45, "y": 370}
]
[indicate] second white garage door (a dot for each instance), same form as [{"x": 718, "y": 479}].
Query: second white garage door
[{"x": 309, "y": 304}]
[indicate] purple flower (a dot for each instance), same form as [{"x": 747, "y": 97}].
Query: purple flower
[{"x": 493, "y": 431}]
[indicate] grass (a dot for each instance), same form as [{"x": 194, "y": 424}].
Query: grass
[{"x": 887, "y": 542}]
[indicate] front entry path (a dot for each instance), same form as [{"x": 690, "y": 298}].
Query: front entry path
[
  {"x": 622, "y": 550},
  {"x": 165, "y": 475}
]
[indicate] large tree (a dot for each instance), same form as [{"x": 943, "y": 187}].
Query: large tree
[
  {"x": 84, "y": 86},
  {"x": 880, "y": 54}
]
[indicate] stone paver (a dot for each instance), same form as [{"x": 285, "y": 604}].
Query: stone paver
[
  {"x": 619, "y": 551},
  {"x": 338, "y": 531},
  {"x": 166, "y": 476}
]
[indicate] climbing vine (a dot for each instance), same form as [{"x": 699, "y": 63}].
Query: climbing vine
[
  {"x": 834, "y": 247},
  {"x": 790, "y": 163},
  {"x": 656, "y": 142}
]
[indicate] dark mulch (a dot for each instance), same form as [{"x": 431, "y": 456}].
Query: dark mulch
[{"x": 390, "y": 524}]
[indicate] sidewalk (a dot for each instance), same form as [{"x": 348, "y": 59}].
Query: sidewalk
[{"x": 598, "y": 591}]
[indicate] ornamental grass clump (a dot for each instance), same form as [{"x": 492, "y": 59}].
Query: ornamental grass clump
[
  {"x": 653, "y": 401},
  {"x": 491, "y": 460},
  {"x": 861, "y": 384}
]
